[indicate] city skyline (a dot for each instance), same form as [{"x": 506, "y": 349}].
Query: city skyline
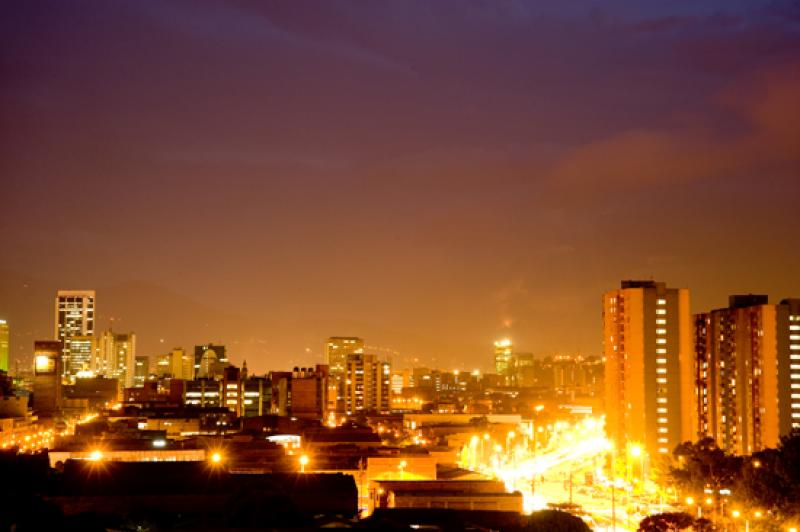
[{"x": 426, "y": 177}]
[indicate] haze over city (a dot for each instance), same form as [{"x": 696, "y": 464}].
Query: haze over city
[{"x": 428, "y": 176}]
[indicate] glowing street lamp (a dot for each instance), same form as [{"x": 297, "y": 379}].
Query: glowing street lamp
[
  {"x": 96, "y": 455},
  {"x": 303, "y": 463},
  {"x": 216, "y": 458}
]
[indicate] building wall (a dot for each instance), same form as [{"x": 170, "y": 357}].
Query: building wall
[
  {"x": 649, "y": 373},
  {"x": 74, "y": 316}
]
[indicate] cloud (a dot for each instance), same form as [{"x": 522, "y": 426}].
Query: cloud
[{"x": 767, "y": 137}]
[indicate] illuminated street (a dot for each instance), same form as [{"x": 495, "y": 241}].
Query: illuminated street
[{"x": 570, "y": 469}]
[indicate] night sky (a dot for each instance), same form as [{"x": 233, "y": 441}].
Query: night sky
[{"x": 428, "y": 175}]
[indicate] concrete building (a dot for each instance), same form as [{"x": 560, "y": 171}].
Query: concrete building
[
  {"x": 210, "y": 361},
  {"x": 4, "y": 345},
  {"x": 745, "y": 372},
  {"x": 47, "y": 377},
  {"x": 503, "y": 358},
  {"x": 74, "y": 316},
  {"x": 367, "y": 384},
  {"x": 141, "y": 371},
  {"x": 649, "y": 353},
  {"x": 177, "y": 364},
  {"x": 337, "y": 349}
]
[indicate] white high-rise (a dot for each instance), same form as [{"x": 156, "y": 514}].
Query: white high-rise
[{"x": 74, "y": 316}]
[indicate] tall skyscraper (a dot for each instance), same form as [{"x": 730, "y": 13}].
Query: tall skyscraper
[
  {"x": 74, "y": 316},
  {"x": 4, "y": 345},
  {"x": 745, "y": 372},
  {"x": 337, "y": 349},
  {"x": 647, "y": 341},
  {"x": 367, "y": 386}
]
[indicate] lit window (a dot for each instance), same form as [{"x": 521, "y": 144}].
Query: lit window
[
  {"x": 661, "y": 370},
  {"x": 661, "y": 340},
  {"x": 661, "y": 311},
  {"x": 661, "y": 302},
  {"x": 661, "y": 331},
  {"x": 661, "y": 361}
]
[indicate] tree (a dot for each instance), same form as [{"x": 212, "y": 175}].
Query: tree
[{"x": 666, "y": 522}]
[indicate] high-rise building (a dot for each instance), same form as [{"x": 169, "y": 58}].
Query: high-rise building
[
  {"x": 503, "y": 358},
  {"x": 4, "y": 343},
  {"x": 367, "y": 384},
  {"x": 115, "y": 356},
  {"x": 74, "y": 316},
  {"x": 647, "y": 341},
  {"x": 788, "y": 337},
  {"x": 744, "y": 372},
  {"x": 337, "y": 349},
  {"x": 141, "y": 370},
  {"x": 82, "y": 353},
  {"x": 47, "y": 377}
]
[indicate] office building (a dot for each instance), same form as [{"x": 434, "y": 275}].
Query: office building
[
  {"x": 503, "y": 358},
  {"x": 141, "y": 370},
  {"x": 177, "y": 364},
  {"x": 745, "y": 372},
  {"x": 47, "y": 377},
  {"x": 337, "y": 349},
  {"x": 82, "y": 352},
  {"x": 649, "y": 352},
  {"x": 74, "y": 316},
  {"x": 4, "y": 346},
  {"x": 116, "y": 356},
  {"x": 367, "y": 384},
  {"x": 210, "y": 361}
]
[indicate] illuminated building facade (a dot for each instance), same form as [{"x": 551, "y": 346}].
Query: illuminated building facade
[
  {"x": 337, "y": 349},
  {"x": 649, "y": 384},
  {"x": 745, "y": 372},
  {"x": 47, "y": 377},
  {"x": 210, "y": 361},
  {"x": 141, "y": 370},
  {"x": 503, "y": 358},
  {"x": 116, "y": 357},
  {"x": 82, "y": 352},
  {"x": 176, "y": 364},
  {"x": 367, "y": 384},
  {"x": 74, "y": 316},
  {"x": 4, "y": 345},
  {"x": 788, "y": 338}
]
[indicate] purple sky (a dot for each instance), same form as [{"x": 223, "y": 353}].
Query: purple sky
[{"x": 428, "y": 175}]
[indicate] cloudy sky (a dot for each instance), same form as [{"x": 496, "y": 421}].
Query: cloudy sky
[{"x": 428, "y": 175}]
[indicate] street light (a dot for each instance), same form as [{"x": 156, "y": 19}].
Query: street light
[{"x": 303, "y": 463}]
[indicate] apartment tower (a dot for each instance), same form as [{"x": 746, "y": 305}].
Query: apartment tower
[
  {"x": 647, "y": 342},
  {"x": 748, "y": 372}
]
